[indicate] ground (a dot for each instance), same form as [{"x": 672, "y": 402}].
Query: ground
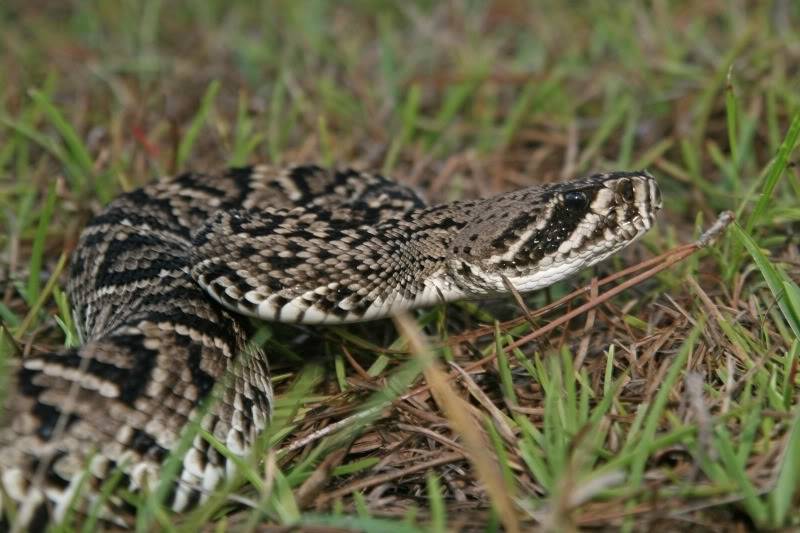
[{"x": 671, "y": 404}]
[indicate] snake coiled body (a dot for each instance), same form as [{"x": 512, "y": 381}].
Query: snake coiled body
[{"x": 159, "y": 278}]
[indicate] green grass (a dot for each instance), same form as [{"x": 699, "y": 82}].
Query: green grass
[{"x": 676, "y": 407}]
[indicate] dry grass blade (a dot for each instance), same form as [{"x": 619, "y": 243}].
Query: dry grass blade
[
  {"x": 316, "y": 482},
  {"x": 699, "y": 407},
  {"x": 518, "y": 299},
  {"x": 476, "y": 392},
  {"x": 377, "y": 480},
  {"x": 457, "y": 412},
  {"x": 333, "y": 428},
  {"x": 45, "y": 294}
]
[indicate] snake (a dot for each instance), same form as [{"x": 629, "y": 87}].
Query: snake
[{"x": 161, "y": 282}]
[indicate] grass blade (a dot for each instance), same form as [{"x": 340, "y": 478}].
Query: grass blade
[
  {"x": 75, "y": 146},
  {"x": 187, "y": 143},
  {"x": 775, "y": 280},
  {"x": 438, "y": 516},
  {"x": 776, "y": 169},
  {"x": 782, "y": 496},
  {"x": 37, "y": 251}
]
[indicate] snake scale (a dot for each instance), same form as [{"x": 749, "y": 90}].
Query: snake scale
[{"x": 159, "y": 277}]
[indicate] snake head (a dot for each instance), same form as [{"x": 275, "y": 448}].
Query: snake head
[{"x": 537, "y": 236}]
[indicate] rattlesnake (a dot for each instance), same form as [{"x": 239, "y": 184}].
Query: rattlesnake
[{"x": 158, "y": 278}]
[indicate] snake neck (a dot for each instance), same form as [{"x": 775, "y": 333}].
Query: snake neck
[{"x": 317, "y": 267}]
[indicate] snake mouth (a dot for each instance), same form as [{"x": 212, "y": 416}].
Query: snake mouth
[{"x": 630, "y": 230}]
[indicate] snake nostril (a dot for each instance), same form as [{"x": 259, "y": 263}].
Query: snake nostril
[{"x": 625, "y": 189}]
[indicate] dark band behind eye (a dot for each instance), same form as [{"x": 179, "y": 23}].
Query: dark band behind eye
[{"x": 575, "y": 199}]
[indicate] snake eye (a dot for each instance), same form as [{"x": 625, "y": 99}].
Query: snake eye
[{"x": 575, "y": 199}]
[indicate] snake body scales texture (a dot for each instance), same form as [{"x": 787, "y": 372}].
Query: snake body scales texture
[{"x": 159, "y": 277}]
